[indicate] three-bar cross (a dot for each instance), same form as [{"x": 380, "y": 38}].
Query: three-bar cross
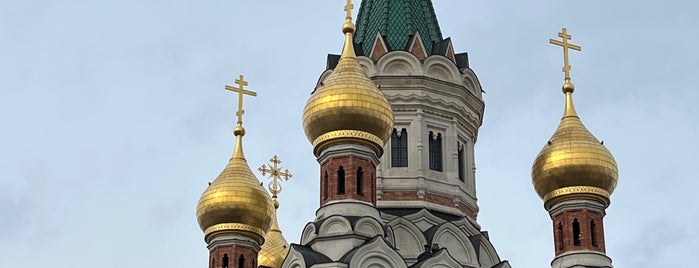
[
  {"x": 566, "y": 64},
  {"x": 241, "y": 91}
]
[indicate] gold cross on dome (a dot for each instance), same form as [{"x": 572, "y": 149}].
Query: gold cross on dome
[
  {"x": 566, "y": 64},
  {"x": 348, "y": 9},
  {"x": 276, "y": 174},
  {"x": 241, "y": 91}
]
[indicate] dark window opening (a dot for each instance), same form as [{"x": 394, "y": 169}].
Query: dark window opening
[
  {"x": 576, "y": 232},
  {"x": 325, "y": 186},
  {"x": 399, "y": 148},
  {"x": 593, "y": 226},
  {"x": 435, "y": 144},
  {"x": 241, "y": 261},
  {"x": 360, "y": 174},
  {"x": 561, "y": 244},
  {"x": 341, "y": 180},
  {"x": 225, "y": 261},
  {"x": 460, "y": 159}
]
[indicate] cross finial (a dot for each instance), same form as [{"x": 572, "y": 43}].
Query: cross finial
[
  {"x": 276, "y": 174},
  {"x": 241, "y": 91},
  {"x": 566, "y": 64},
  {"x": 348, "y": 9}
]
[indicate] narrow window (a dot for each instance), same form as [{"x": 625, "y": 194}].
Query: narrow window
[
  {"x": 225, "y": 261},
  {"x": 360, "y": 173},
  {"x": 576, "y": 232},
  {"x": 399, "y": 148},
  {"x": 460, "y": 159},
  {"x": 241, "y": 261},
  {"x": 435, "y": 144},
  {"x": 561, "y": 244},
  {"x": 325, "y": 186},
  {"x": 593, "y": 226},
  {"x": 341, "y": 180}
]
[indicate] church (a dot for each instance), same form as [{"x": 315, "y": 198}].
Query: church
[{"x": 393, "y": 121}]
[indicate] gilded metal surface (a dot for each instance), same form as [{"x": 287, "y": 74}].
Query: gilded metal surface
[
  {"x": 565, "y": 36},
  {"x": 573, "y": 162},
  {"x": 276, "y": 174},
  {"x": 356, "y": 134},
  {"x": 276, "y": 247},
  {"x": 348, "y": 101},
  {"x": 235, "y": 201},
  {"x": 241, "y": 91}
]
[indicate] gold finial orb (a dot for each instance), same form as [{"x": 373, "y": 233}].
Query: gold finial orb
[
  {"x": 239, "y": 131},
  {"x": 348, "y": 107},
  {"x": 568, "y": 87}
]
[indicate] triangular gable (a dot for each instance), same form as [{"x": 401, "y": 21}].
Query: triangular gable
[
  {"x": 379, "y": 48},
  {"x": 450, "y": 51},
  {"x": 416, "y": 47}
]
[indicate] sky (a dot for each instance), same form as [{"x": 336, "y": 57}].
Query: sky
[{"x": 114, "y": 118}]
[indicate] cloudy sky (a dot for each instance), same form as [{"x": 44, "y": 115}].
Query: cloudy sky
[{"x": 114, "y": 118}]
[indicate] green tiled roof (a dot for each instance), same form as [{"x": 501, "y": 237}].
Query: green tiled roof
[{"x": 397, "y": 20}]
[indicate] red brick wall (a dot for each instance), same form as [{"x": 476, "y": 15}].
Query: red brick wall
[
  {"x": 234, "y": 251},
  {"x": 564, "y": 240},
  {"x": 429, "y": 197},
  {"x": 350, "y": 164}
]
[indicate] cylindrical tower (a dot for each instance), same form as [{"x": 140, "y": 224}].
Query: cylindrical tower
[
  {"x": 235, "y": 212},
  {"x": 575, "y": 175}
]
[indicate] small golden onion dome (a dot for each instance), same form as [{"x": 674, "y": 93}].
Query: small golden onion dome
[
  {"x": 275, "y": 248},
  {"x": 235, "y": 202},
  {"x": 348, "y": 107},
  {"x": 574, "y": 164}
]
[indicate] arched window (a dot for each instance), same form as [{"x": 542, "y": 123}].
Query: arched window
[
  {"x": 576, "y": 232},
  {"x": 360, "y": 174},
  {"x": 241, "y": 261},
  {"x": 341, "y": 180},
  {"x": 399, "y": 148},
  {"x": 435, "y": 142},
  {"x": 593, "y": 226},
  {"x": 561, "y": 244},
  {"x": 225, "y": 261},
  {"x": 460, "y": 164},
  {"x": 325, "y": 185}
]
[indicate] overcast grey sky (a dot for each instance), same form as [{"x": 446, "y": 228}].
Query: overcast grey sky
[{"x": 114, "y": 118}]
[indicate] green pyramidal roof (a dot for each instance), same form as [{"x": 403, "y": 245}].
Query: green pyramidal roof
[{"x": 397, "y": 20}]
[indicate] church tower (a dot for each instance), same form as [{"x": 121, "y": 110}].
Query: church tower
[
  {"x": 235, "y": 212},
  {"x": 575, "y": 175},
  {"x": 437, "y": 102},
  {"x": 411, "y": 202}
]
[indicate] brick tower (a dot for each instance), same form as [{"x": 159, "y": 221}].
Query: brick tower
[{"x": 575, "y": 175}]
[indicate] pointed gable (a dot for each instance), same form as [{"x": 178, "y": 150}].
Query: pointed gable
[
  {"x": 416, "y": 47},
  {"x": 379, "y": 48}
]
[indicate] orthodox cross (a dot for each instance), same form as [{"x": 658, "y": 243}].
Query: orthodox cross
[
  {"x": 276, "y": 174},
  {"x": 348, "y": 9},
  {"x": 564, "y": 34},
  {"x": 241, "y": 91}
]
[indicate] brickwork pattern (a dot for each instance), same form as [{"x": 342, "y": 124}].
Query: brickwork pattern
[
  {"x": 216, "y": 256},
  {"x": 429, "y": 197},
  {"x": 329, "y": 180},
  {"x": 564, "y": 237}
]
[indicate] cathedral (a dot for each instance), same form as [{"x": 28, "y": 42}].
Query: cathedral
[{"x": 393, "y": 122}]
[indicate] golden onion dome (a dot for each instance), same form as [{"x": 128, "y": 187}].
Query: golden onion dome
[
  {"x": 275, "y": 248},
  {"x": 574, "y": 164},
  {"x": 235, "y": 202},
  {"x": 348, "y": 106}
]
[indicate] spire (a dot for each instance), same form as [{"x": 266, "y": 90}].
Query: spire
[
  {"x": 574, "y": 162},
  {"x": 397, "y": 20},
  {"x": 235, "y": 192},
  {"x": 276, "y": 247},
  {"x": 348, "y": 29}
]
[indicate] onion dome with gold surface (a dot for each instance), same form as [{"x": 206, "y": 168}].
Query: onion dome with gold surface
[
  {"x": 574, "y": 164},
  {"x": 275, "y": 248},
  {"x": 235, "y": 202},
  {"x": 348, "y": 107}
]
